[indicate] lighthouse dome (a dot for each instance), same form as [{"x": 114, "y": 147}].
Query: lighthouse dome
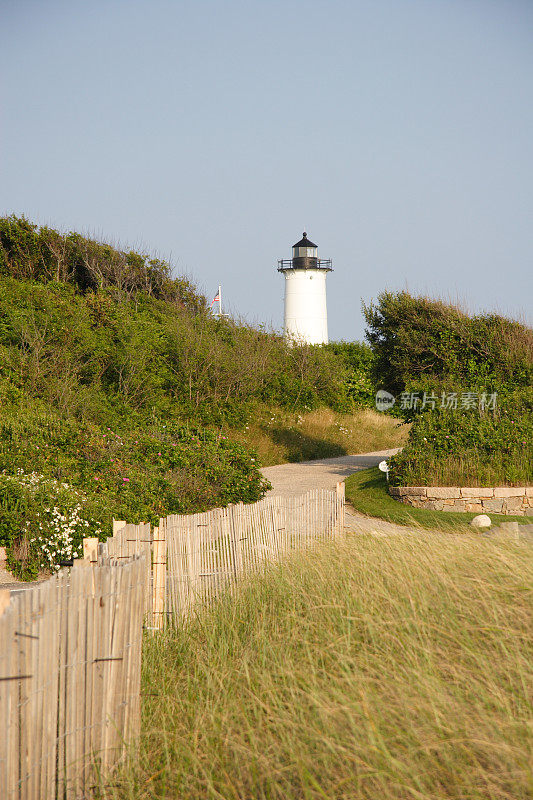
[
  {"x": 305, "y": 242},
  {"x": 304, "y": 256}
]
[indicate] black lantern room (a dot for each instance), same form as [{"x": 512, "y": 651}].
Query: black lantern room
[{"x": 304, "y": 256}]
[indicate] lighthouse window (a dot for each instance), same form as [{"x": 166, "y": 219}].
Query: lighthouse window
[{"x": 303, "y": 252}]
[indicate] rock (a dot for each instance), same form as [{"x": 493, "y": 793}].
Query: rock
[
  {"x": 443, "y": 492},
  {"x": 495, "y": 505},
  {"x": 474, "y": 506},
  {"x": 481, "y": 521},
  {"x": 509, "y": 491},
  {"x": 512, "y": 503},
  {"x": 454, "y": 505},
  {"x": 476, "y": 491},
  {"x": 435, "y": 505}
]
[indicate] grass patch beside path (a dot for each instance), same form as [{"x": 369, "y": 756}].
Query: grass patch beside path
[
  {"x": 280, "y": 436},
  {"x": 366, "y": 490},
  {"x": 378, "y": 667}
]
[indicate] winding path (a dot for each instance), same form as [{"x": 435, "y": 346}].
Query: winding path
[{"x": 292, "y": 479}]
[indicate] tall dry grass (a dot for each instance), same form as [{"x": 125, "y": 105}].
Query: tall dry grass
[
  {"x": 281, "y": 436},
  {"x": 470, "y": 467},
  {"x": 377, "y": 668}
]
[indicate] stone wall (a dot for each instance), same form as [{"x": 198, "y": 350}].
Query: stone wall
[{"x": 517, "y": 500}]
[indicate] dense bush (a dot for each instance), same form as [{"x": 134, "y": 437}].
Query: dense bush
[
  {"x": 462, "y": 437},
  {"x": 415, "y": 338},
  {"x": 43, "y": 254},
  {"x": 59, "y": 474},
  {"x": 42, "y": 522},
  {"x": 358, "y": 361},
  {"x": 90, "y": 355},
  {"x": 470, "y": 448}
]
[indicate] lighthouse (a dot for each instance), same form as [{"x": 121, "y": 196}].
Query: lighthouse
[{"x": 306, "y": 314}]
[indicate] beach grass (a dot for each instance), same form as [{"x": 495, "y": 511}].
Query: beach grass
[{"x": 376, "y": 667}]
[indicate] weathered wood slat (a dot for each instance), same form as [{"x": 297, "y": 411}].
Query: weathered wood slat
[
  {"x": 70, "y": 648},
  {"x": 208, "y": 551}
]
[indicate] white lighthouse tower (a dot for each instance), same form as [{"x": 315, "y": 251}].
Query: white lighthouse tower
[{"x": 306, "y": 314}]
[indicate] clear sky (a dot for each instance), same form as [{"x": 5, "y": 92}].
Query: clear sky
[{"x": 397, "y": 133}]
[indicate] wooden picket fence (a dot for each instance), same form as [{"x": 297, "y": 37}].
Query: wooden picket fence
[
  {"x": 70, "y": 647},
  {"x": 70, "y": 671},
  {"x": 195, "y": 556},
  {"x": 208, "y": 552}
]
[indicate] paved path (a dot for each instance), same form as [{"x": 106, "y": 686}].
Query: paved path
[
  {"x": 7, "y": 581},
  {"x": 289, "y": 480},
  {"x": 292, "y": 479}
]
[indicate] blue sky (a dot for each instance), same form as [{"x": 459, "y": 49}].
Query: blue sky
[{"x": 398, "y": 133}]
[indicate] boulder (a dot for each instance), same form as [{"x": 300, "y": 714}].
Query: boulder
[{"x": 481, "y": 521}]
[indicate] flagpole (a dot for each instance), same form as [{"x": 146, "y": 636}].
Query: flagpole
[{"x": 220, "y": 301}]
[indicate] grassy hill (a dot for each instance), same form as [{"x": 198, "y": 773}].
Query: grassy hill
[{"x": 122, "y": 396}]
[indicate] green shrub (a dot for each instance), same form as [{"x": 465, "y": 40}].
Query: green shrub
[
  {"x": 470, "y": 448},
  {"x": 14, "y": 509},
  {"x": 45, "y": 523},
  {"x": 91, "y": 474},
  {"x": 358, "y": 361},
  {"x": 426, "y": 347},
  {"x": 94, "y": 356},
  {"x": 43, "y": 254},
  {"x": 415, "y": 338}
]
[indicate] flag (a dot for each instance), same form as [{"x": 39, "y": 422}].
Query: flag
[{"x": 216, "y": 298}]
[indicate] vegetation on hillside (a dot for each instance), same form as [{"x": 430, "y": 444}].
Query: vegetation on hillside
[
  {"x": 94, "y": 356},
  {"x": 416, "y": 338},
  {"x": 64, "y": 478},
  {"x": 32, "y": 253},
  {"x": 467, "y": 385},
  {"x": 122, "y": 396},
  {"x": 358, "y": 361},
  {"x": 281, "y": 435},
  {"x": 392, "y": 667}
]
